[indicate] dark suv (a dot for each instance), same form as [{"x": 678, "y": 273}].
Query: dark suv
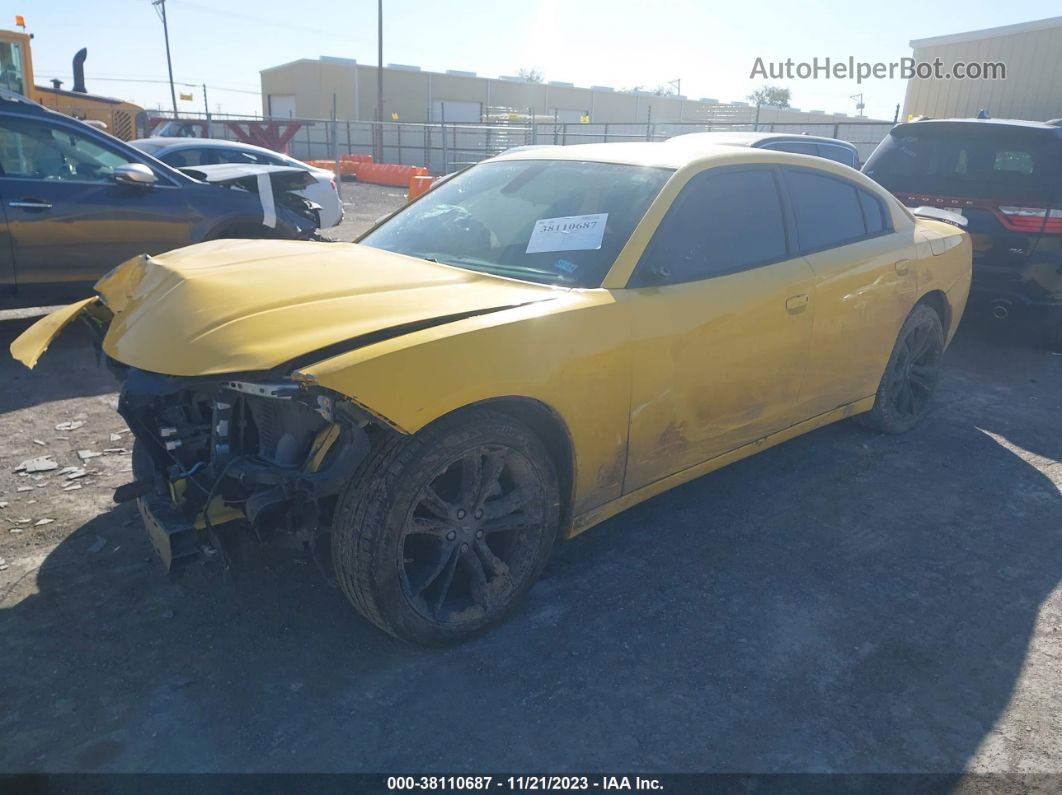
[
  {"x": 75, "y": 202},
  {"x": 1005, "y": 176}
]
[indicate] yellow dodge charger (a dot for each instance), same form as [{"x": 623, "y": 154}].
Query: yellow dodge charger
[{"x": 536, "y": 344}]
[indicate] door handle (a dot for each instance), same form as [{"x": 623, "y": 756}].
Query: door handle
[
  {"x": 31, "y": 204},
  {"x": 795, "y": 303},
  {"x": 902, "y": 266}
]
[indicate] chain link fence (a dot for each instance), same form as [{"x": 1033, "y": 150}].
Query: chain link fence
[{"x": 446, "y": 147}]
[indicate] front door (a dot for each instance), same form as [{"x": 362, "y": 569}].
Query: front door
[{"x": 723, "y": 309}]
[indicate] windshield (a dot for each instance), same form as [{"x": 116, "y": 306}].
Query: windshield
[
  {"x": 967, "y": 164},
  {"x": 557, "y": 222}
]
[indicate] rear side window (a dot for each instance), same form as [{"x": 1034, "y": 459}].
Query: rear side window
[
  {"x": 832, "y": 212},
  {"x": 720, "y": 223},
  {"x": 965, "y": 163},
  {"x": 873, "y": 213},
  {"x": 185, "y": 158},
  {"x": 839, "y": 154},
  {"x": 796, "y": 147},
  {"x": 245, "y": 156}
]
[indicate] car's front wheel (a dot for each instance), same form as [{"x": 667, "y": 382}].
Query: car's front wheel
[
  {"x": 911, "y": 375},
  {"x": 444, "y": 531}
]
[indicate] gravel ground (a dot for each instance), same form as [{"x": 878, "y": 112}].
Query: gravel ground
[{"x": 843, "y": 602}]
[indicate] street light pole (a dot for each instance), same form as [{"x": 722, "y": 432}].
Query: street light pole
[
  {"x": 379, "y": 81},
  {"x": 160, "y": 8}
]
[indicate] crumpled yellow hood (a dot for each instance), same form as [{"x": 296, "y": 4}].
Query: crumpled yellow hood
[{"x": 233, "y": 306}]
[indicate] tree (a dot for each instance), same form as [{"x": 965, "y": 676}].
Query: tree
[
  {"x": 531, "y": 75},
  {"x": 772, "y": 96}
]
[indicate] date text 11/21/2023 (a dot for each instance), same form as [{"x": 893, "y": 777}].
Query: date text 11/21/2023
[{"x": 522, "y": 783}]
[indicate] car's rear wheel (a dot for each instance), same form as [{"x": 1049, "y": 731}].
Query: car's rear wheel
[
  {"x": 911, "y": 376},
  {"x": 441, "y": 533}
]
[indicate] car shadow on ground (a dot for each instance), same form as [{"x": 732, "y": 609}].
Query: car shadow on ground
[
  {"x": 844, "y": 602},
  {"x": 50, "y": 380}
]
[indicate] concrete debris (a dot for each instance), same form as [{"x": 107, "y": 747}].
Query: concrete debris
[
  {"x": 40, "y": 464},
  {"x": 85, "y": 455},
  {"x": 115, "y": 450},
  {"x": 16, "y": 530},
  {"x": 3, "y": 564},
  {"x": 38, "y": 441},
  {"x": 4, "y": 504},
  {"x": 69, "y": 426},
  {"x": 72, "y": 487},
  {"x": 77, "y": 473},
  {"x": 42, "y": 522},
  {"x": 101, "y": 542},
  {"x": 25, "y": 488}
]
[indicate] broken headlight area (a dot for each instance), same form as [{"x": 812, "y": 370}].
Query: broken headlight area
[{"x": 264, "y": 456}]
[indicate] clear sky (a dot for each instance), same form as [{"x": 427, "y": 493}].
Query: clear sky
[{"x": 711, "y": 47}]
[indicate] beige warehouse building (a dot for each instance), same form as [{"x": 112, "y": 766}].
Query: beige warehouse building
[
  {"x": 1032, "y": 89},
  {"x": 305, "y": 89}
]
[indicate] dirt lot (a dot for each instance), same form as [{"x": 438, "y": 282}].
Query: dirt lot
[{"x": 844, "y": 602}]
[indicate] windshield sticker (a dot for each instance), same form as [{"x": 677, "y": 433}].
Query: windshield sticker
[
  {"x": 571, "y": 233},
  {"x": 565, "y": 265}
]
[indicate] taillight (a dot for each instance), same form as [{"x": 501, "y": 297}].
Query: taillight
[
  {"x": 1031, "y": 219},
  {"x": 334, "y": 186}
]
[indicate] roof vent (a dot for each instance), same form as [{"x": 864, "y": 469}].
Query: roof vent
[{"x": 982, "y": 114}]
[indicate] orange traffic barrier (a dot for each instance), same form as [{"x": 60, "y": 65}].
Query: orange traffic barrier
[
  {"x": 349, "y": 164},
  {"x": 418, "y": 185},
  {"x": 389, "y": 173}
]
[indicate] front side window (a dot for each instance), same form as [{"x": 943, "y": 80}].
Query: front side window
[
  {"x": 32, "y": 149},
  {"x": 559, "y": 222},
  {"x": 720, "y": 223},
  {"x": 828, "y": 211}
]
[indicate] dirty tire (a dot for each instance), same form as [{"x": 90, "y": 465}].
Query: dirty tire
[
  {"x": 440, "y": 534},
  {"x": 911, "y": 376}
]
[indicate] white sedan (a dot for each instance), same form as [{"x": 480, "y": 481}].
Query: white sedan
[{"x": 192, "y": 152}]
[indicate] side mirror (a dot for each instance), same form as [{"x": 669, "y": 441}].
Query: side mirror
[{"x": 134, "y": 174}]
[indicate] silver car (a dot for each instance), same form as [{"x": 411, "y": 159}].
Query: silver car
[{"x": 192, "y": 152}]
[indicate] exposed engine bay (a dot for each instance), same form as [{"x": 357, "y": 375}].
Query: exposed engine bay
[{"x": 272, "y": 456}]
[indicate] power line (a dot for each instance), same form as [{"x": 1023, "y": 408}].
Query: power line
[{"x": 161, "y": 82}]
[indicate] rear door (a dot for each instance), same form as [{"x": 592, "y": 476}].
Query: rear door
[
  {"x": 68, "y": 221},
  {"x": 864, "y": 284},
  {"x": 722, "y": 307}
]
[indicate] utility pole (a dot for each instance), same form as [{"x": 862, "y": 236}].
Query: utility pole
[
  {"x": 859, "y": 103},
  {"x": 379, "y": 80},
  {"x": 206, "y": 112},
  {"x": 160, "y": 9}
]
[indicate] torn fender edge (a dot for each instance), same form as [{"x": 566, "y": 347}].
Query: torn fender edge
[{"x": 34, "y": 341}]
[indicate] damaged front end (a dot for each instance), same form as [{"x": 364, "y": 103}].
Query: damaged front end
[{"x": 272, "y": 455}]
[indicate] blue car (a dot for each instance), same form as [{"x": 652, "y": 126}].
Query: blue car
[{"x": 75, "y": 202}]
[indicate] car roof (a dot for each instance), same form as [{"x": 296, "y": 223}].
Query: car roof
[
  {"x": 748, "y": 138},
  {"x": 674, "y": 153},
  {"x": 997, "y": 124},
  {"x": 176, "y": 142}
]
